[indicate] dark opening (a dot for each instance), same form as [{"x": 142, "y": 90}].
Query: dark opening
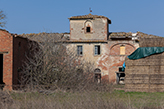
[
  {"x": 97, "y": 49},
  {"x": 1, "y": 72},
  {"x": 98, "y": 78},
  {"x": 80, "y": 50},
  {"x": 97, "y": 72},
  {"x": 88, "y": 29},
  {"x": 120, "y": 69}
]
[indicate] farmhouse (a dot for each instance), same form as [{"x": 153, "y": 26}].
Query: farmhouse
[
  {"x": 12, "y": 53},
  {"x": 90, "y": 39}
]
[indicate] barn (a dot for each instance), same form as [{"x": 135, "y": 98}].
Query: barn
[{"x": 146, "y": 73}]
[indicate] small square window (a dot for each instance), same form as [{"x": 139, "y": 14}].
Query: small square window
[
  {"x": 120, "y": 69},
  {"x": 97, "y": 50},
  {"x": 80, "y": 50}
]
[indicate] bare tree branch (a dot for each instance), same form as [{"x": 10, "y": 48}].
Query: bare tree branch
[
  {"x": 50, "y": 63},
  {"x": 2, "y": 18}
]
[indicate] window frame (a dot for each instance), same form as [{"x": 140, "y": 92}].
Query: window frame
[
  {"x": 97, "y": 50},
  {"x": 121, "y": 50},
  {"x": 88, "y": 24},
  {"x": 79, "y": 49}
]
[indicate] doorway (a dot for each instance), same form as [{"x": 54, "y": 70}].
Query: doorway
[
  {"x": 1, "y": 72},
  {"x": 97, "y": 72}
]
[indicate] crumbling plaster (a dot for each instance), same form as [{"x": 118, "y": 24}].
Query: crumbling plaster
[{"x": 109, "y": 60}]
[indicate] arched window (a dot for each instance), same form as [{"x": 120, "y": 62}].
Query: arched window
[
  {"x": 88, "y": 26},
  {"x": 88, "y": 29},
  {"x": 97, "y": 72}
]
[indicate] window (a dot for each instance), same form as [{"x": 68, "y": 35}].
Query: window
[
  {"x": 120, "y": 69},
  {"x": 97, "y": 70},
  {"x": 122, "y": 50},
  {"x": 88, "y": 29},
  {"x": 97, "y": 49},
  {"x": 80, "y": 50}
]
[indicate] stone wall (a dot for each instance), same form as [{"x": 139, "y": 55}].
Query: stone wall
[
  {"x": 89, "y": 56},
  {"x": 115, "y": 59},
  {"x": 110, "y": 59},
  {"x": 99, "y": 29}
]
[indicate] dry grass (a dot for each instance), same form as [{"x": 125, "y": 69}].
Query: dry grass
[{"x": 86, "y": 99}]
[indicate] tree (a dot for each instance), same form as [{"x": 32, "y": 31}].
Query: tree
[
  {"x": 50, "y": 63},
  {"x": 2, "y": 17}
]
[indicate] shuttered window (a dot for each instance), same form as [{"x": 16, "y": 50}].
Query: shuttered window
[
  {"x": 122, "y": 50},
  {"x": 97, "y": 49}
]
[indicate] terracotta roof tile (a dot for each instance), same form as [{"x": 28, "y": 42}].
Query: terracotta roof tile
[
  {"x": 85, "y": 41},
  {"x": 89, "y": 16},
  {"x": 129, "y": 34},
  {"x": 143, "y": 35},
  {"x": 39, "y": 37},
  {"x": 4, "y": 30},
  {"x": 119, "y": 35}
]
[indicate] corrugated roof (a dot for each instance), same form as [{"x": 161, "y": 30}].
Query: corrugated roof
[{"x": 89, "y": 16}]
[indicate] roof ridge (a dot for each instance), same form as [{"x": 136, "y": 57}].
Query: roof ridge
[
  {"x": 140, "y": 34},
  {"x": 88, "y": 16}
]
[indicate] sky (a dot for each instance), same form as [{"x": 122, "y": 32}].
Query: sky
[{"x": 34, "y": 16}]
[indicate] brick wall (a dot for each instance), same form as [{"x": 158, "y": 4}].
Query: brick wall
[
  {"x": 6, "y": 48},
  {"x": 109, "y": 60},
  {"x": 20, "y": 50},
  {"x": 115, "y": 59},
  {"x": 13, "y": 49}
]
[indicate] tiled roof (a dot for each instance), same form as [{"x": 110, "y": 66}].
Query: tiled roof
[
  {"x": 143, "y": 35},
  {"x": 39, "y": 37},
  {"x": 89, "y": 16},
  {"x": 4, "y": 30},
  {"x": 129, "y": 35},
  {"x": 86, "y": 41},
  {"x": 119, "y": 34}
]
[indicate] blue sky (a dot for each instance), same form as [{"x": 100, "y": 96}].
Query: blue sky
[{"x": 34, "y": 16}]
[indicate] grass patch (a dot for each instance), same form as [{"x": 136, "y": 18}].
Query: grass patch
[{"x": 117, "y": 99}]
